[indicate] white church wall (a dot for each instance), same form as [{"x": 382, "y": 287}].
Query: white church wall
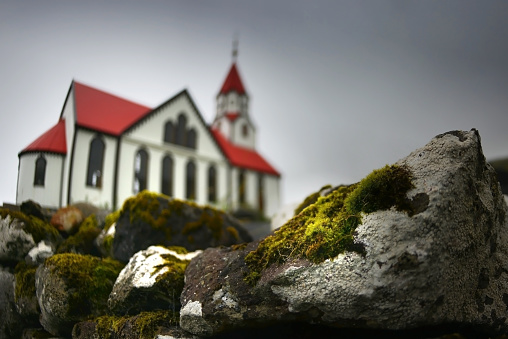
[
  {"x": 239, "y": 138},
  {"x": 49, "y": 194},
  {"x": 272, "y": 194},
  {"x": 80, "y": 191}
]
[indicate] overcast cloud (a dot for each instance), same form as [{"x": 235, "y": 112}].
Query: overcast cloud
[{"x": 337, "y": 88}]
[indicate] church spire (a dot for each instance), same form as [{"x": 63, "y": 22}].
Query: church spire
[{"x": 235, "y": 49}]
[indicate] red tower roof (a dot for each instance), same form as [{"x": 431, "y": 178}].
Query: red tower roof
[
  {"x": 232, "y": 82},
  {"x": 53, "y": 140},
  {"x": 104, "y": 112},
  {"x": 243, "y": 157}
]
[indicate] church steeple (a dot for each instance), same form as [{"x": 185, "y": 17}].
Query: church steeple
[{"x": 232, "y": 117}]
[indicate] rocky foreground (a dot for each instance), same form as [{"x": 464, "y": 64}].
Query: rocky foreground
[{"x": 417, "y": 249}]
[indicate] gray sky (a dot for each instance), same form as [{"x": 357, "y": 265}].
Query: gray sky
[{"x": 337, "y": 88}]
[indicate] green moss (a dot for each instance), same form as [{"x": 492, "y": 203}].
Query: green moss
[
  {"x": 311, "y": 199},
  {"x": 144, "y": 325},
  {"x": 107, "y": 243},
  {"x": 178, "y": 249},
  {"x": 210, "y": 218},
  {"x": 325, "y": 229},
  {"x": 111, "y": 219},
  {"x": 90, "y": 278},
  {"x": 172, "y": 280},
  {"x": 25, "y": 281},
  {"x": 83, "y": 241},
  {"x": 39, "y": 229},
  {"x": 154, "y": 209},
  {"x": 234, "y": 232}
]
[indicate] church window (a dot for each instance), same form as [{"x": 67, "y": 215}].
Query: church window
[
  {"x": 241, "y": 187},
  {"x": 261, "y": 194},
  {"x": 190, "y": 182},
  {"x": 40, "y": 171},
  {"x": 191, "y": 138},
  {"x": 95, "y": 162},
  {"x": 245, "y": 130},
  {"x": 169, "y": 132},
  {"x": 167, "y": 176},
  {"x": 140, "y": 171},
  {"x": 212, "y": 184},
  {"x": 181, "y": 130}
]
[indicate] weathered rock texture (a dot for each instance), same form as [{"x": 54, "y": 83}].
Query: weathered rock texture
[
  {"x": 446, "y": 265},
  {"x": 150, "y": 219},
  {"x": 152, "y": 280}
]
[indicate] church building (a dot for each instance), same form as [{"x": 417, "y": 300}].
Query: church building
[{"x": 104, "y": 149}]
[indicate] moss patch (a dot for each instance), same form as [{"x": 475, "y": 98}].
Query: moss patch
[
  {"x": 83, "y": 241},
  {"x": 143, "y": 325},
  {"x": 111, "y": 219},
  {"x": 25, "y": 281},
  {"x": 311, "y": 199},
  {"x": 211, "y": 218},
  {"x": 39, "y": 229},
  {"x": 325, "y": 229},
  {"x": 89, "y": 279},
  {"x": 172, "y": 280}
]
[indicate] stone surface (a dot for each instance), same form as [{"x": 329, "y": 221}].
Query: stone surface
[
  {"x": 15, "y": 240},
  {"x": 11, "y": 324},
  {"x": 67, "y": 219},
  {"x": 443, "y": 266},
  {"x": 152, "y": 280},
  {"x": 150, "y": 219},
  {"x": 39, "y": 253}
]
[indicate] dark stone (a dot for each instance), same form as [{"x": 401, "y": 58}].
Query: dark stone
[{"x": 157, "y": 220}]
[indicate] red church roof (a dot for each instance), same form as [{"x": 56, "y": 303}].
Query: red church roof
[
  {"x": 232, "y": 82},
  {"x": 53, "y": 140},
  {"x": 243, "y": 157},
  {"x": 105, "y": 112}
]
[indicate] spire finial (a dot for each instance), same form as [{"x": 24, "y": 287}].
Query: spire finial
[{"x": 235, "y": 47}]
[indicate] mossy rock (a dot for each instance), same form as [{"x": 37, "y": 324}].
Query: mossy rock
[
  {"x": 83, "y": 242},
  {"x": 311, "y": 199},
  {"x": 73, "y": 287},
  {"x": 149, "y": 219},
  {"x": 24, "y": 293},
  {"x": 326, "y": 228},
  {"x": 145, "y": 325}
]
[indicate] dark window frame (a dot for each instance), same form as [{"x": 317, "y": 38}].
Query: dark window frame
[
  {"x": 141, "y": 173},
  {"x": 40, "y": 171},
  {"x": 95, "y": 168},
  {"x": 167, "y": 175}
]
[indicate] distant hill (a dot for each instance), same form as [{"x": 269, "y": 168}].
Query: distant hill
[{"x": 501, "y": 167}]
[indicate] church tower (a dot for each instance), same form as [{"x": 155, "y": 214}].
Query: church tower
[{"x": 232, "y": 118}]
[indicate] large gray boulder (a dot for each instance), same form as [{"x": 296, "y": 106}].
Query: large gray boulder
[
  {"x": 437, "y": 258},
  {"x": 11, "y": 323},
  {"x": 153, "y": 279}
]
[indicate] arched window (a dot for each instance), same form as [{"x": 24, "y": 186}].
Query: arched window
[
  {"x": 169, "y": 132},
  {"x": 181, "y": 130},
  {"x": 245, "y": 130},
  {"x": 191, "y": 138},
  {"x": 190, "y": 182},
  {"x": 140, "y": 171},
  {"x": 40, "y": 171},
  {"x": 261, "y": 194},
  {"x": 241, "y": 187},
  {"x": 167, "y": 176},
  {"x": 95, "y": 162},
  {"x": 212, "y": 184}
]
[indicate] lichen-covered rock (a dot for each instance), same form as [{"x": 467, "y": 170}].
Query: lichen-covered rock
[
  {"x": 152, "y": 219},
  {"x": 67, "y": 219},
  {"x": 39, "y": 253},
  {"x": 20, "y": 233},
  {"x": 427, "y": 250},
  {"x": 71, "y": 288},
  {"x": 152, "y": 280}
]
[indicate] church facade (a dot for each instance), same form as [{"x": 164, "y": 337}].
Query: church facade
[{"x": 104, "y": 149}]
